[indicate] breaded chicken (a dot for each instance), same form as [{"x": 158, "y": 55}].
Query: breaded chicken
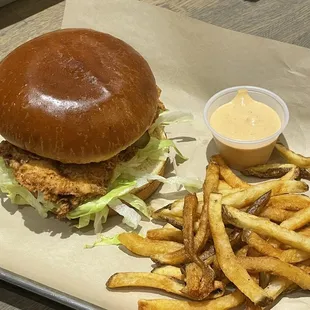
[{"x": 67, "y": 185}]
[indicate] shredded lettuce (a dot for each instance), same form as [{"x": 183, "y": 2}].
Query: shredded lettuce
[
  {"x": 122, "y": 187},
  {"x": 137, "y": 203},
  {"x": 102, "y": 240},
  {"x": 155, "y": 150},
  {"x": 130, "y": 217},
  {"x": 83, "y": 221},
  {"x": 100, "y": 218},
  {"x": 171, "y": 117}
]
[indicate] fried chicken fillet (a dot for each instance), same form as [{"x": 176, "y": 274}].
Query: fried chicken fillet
[{"x": 66, "y": 185}]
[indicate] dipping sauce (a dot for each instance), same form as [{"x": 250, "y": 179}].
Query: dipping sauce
[
  {"x": 245, "y": 119},
  {"x": 245, "y": 122}
]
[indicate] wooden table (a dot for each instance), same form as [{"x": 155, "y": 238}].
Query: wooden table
[{"x": 287, "y": 21}]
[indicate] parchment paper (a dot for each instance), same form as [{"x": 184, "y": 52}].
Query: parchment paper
[{"x": 191, "y": 61}]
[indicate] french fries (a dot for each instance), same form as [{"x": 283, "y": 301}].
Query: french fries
[
  {"x": 146, "y": 279},
  {"x": 223, "y": 185},
  {"x": 147, "y": 247},
  {"x": 199, "y": 278},
  {"x": 305, "y": 173},
  {"x": 264, "y": 247},
  {"x": 190, "y": 205},
  {"x": 226, "y": 257},
  {"x": 223, "y": 303},
  {"x": 175, "y": 258},
  {"x": 168, "y": 234},
  {"x": 293, "y": 158},
  {"x": 210, "y": 185},
  {"x": 249, "y": 195},
  {"x": 265, "y": 227},
  {"x": 270, "y": 264},
  {"x": 175, "y": 211},
  {"x": 298, "y": 220},
  {"x": 226, "y": 173},
  {"x": 289, "y": 202},
  {"x": 277, "y": 215},
  {"x": 270, "y": 171},
  {"x": 256, "y": 237},
  {"x": 175, "y": 221},
  {"x": 193, "y": 279},
  {"x": 277, "y": 286},
  {"x": 294, "y": 174},
  {"x": 170, "y": 271}
]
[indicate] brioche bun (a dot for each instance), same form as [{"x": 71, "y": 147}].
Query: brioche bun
[{"x": 76, "y": 96}]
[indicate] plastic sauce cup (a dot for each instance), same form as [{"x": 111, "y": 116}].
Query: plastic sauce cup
[{"x": 241, "y": 154}]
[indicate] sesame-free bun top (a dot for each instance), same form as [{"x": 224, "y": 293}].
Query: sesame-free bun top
[{"x": 76, "y": 96}]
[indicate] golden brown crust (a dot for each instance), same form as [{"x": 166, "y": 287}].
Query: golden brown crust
[{"x": 67, "y": 90}]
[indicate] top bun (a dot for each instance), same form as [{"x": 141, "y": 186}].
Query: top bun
[{"x": 76, "y": 96}]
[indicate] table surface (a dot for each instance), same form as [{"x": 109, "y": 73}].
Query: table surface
[{"x": 282, "y": 20}]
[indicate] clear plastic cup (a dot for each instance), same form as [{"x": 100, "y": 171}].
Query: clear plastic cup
[{"x": 240, "y": 154}]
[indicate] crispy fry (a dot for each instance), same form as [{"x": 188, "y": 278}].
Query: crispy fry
[
  {"x": 176, "y": 208},
  {"x": 167, "y": 225},
  {"x": 264, "y": 247},
  {"x": 218, "y": 289},
  {"x": 175, "y": 221},
  {"x": 223, "y": 303},
  {"x": 146, "y": 247},
  {"x": 286, "y": 171},
  {"x": 226, "y": 258},
  {"x": 190, "y": 205},
  {"x": 293, "y": 174},
  {"x": 300, "y": 219},
  {"x": 266, "y": 227},
  {"x": 206, "y": 282},
  {"x": 200, "y": 281},
  {"x": 275, "y": 266},
  {"x": 305, "y": 173},
  {"x": 277, "y": 286},
  {"x": 290, "y": 202},
  {"x": 228, "y": 175},
  {"x": 242, "y": 252},
  {"x": 210, "y": 185},
  {"x": 168, "y": 234},
  {"x": 293, "y": 158},
  {"x": 249, "y": 305},
  {"x": 247, "y": 196},
  {"x": 169, "y": 271},
  {"x": 264, "y": 279},
  {"x": 208, "y": 255},
  {"x": 193, "y": 278},
  {"x": 179, "y": 257},
  {"x": 146, "y": 279},
  {"x": 226, "y": 192},
  {"x": 223, "y": 185},
  {"x": 259, "y": 204},
  {"x": 277, "y": 215},
  {"x": 175, "y": 258},
  {"x": 173, "y": 209},
  {"x": 305, "y": 231},
  {"x": 199, "y": 278}
]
